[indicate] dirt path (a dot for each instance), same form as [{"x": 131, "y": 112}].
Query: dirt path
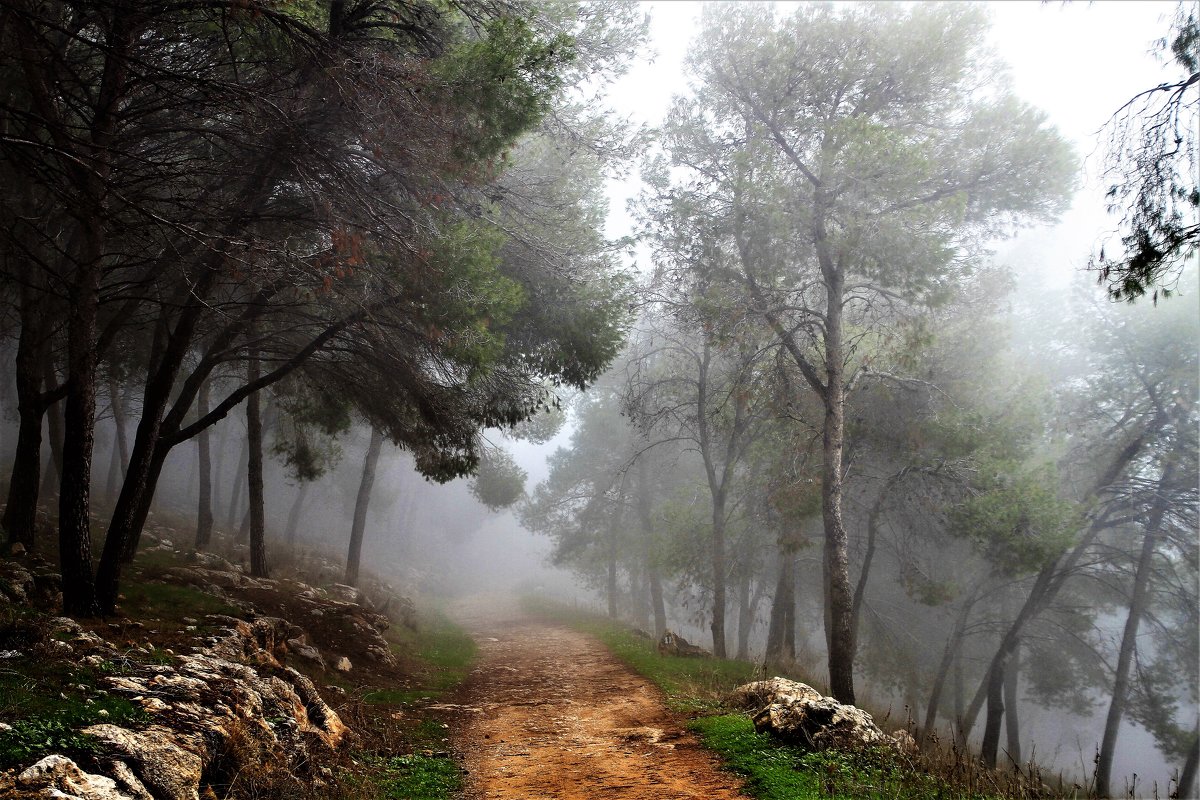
[{"x": 556, "y": 716}]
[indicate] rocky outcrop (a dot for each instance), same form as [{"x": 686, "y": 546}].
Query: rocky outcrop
[
  {"x": 228, "y": 706},
  {"x": 800, "y": 714},
  {"x": 59, "y": 776},
  {"x": 672, "y": 644}
]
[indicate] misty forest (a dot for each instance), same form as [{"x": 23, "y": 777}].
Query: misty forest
[{"x": 389, "y": 410}]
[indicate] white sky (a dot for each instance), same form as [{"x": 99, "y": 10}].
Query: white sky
[{"x": 1076, "y": 61}]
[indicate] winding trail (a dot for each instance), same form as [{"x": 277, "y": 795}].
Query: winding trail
[{"x": 551, "y": 714}]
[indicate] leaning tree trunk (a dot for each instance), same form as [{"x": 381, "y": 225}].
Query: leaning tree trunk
[
  {"x": 950, "y": 655},
  {"x": 254, "y": 476},
  {"x": 1137, "y": 608},
  {"x": 359, "y": 526},
  {"x": 204, "y": 511}
]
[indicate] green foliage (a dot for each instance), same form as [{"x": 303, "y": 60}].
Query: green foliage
[
  {"x": 499, "y": 482},
  {"x": 1016, "y": 519},
  {"x": 48, "y": 709},
  {"x": 503, "y": 82},
  {"x": 312, "y": 417}
]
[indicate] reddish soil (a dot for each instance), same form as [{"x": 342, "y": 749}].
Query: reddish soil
[{"x": 549, "y": 713}]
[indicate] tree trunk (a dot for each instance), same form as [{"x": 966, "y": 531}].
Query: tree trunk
[
  {"x": 718, "y": 574},
  {"x": 254, "y": 476},
  {"x": 52, "y": 474},
  {"x": 614, "y": 536},
  {"x": 239, "y": 485},
  {"x": 360, "y": 506},
  {"x": 778, "y": 651},
  {"x": 745, "y": 616},
  {"x": 652, "y": 574},
  {"x": 293, "y": 520},
  {"x": 1137, "y": 607},
  {"x": 1012, "y": 725},
  {"x": 119, "y": 455},
  {"x": 950, "y": 655},
  {"x": 836, "y": 562},
  {"x": 79, "y": 430},
  {"x": 204, "y": 512},
  {"x": 20, "y": 514}
]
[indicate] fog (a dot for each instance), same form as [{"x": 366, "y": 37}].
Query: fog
[{"x": 1017, "y": 392}]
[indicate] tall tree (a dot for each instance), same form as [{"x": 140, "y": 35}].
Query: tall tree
[{"x": 868, "y": 124}]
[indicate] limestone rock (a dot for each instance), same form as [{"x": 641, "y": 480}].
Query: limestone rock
[
  {"x": 672, "y": 644},
  {"x": 166, "y": 761},
  {"x": 17, "y": 584},
  {"x": 753, "y": 696},
  {"x": 59, "y": 776},
  {"x": 343, "y": 665},
  {"x": 798, "y": 713}
]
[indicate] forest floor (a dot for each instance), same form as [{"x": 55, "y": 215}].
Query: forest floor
[{"x": 550, "y": 712}]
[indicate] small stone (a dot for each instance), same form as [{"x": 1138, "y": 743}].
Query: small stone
[
  {"x": 342, "y": 665},
  {"x": 17, "y": 549}
]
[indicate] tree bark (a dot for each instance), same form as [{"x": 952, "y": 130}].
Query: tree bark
[
  {"x": 20, "y": 513},
  {"x": 204, "y": 511},
  {"x": 359, "y": 525},
  {"x": 1137, "y": 608},
  {"x": 839, "y": 599},
  {"x": 254, "y": 476},
  {"x": 79, "y": 423}
]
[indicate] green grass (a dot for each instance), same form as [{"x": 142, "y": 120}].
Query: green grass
[
  {"x": 170, "y": 603},
  {"x": 416, "y": 777},
  {"x": 446, "y": 651},
  {"x": 48, "y": 704},
  {"x": 771, "y": 769},
  {"x": 444, "y": 655}
]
